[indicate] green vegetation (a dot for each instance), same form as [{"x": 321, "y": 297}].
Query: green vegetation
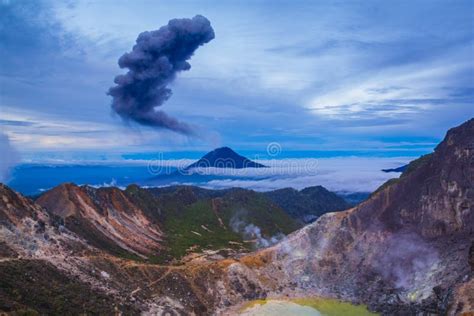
[
  {"x": 193, "y": 220},
  {"x": 257, "y": 209},
  {"x": 186, "y": 230},
  {"x": 192, "y": 224},
  {"x": 145, "y": 201},
  {"x": 308, "y": 204}
]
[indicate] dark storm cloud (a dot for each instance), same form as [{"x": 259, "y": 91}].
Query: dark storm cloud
[{"x": 153, "y": 64}]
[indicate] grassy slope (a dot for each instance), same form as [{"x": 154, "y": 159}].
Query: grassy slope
[
  {"x": 185, "y": 215},
  {"x": 182, "y": 228}
]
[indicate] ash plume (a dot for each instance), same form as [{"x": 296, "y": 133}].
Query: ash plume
[{"x": 152, "y": 65}]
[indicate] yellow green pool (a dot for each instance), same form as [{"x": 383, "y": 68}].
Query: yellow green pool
[{"x": 303, "y": 307}]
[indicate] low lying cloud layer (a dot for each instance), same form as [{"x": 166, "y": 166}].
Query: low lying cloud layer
[
  {"x": 340, "y": 174},
  {"x": 350, "y": 174}
]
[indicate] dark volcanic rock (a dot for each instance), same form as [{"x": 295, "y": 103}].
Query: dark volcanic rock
[
  {"x": 405, "y": 250},
  {"x": 36, "y": 287},
  {"x": 224, "y": 157},
  {"x": 399, "y": 169}
]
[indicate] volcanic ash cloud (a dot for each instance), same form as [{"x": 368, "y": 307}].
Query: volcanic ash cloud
[{"x": 155, "y": 60}]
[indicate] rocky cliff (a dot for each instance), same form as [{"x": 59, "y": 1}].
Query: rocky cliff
[
  {"x": 164, "y": 225},
  {"x": 407, "y": 250},
  {"x": 107, "y": 218}
]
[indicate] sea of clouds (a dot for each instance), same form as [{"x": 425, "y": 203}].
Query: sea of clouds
[{"x": 340, "y": 174}]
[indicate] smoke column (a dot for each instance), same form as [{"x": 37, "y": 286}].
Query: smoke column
[{"x": 152, "y": 65}]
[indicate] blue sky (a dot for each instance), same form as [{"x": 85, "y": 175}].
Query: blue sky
[{"x": 311, "y": 75}]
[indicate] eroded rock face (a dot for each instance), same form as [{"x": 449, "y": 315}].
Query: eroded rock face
[
  {"x": 405, "y": 250},
  {"x": 105, "y": 217},
  {"x": 27, "y": 230},
  {"x": 409, "y": 249},
  {"x": 168, "y": 225},
  {"x": 70, "y": 241}
]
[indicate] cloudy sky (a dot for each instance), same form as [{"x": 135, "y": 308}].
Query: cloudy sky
[{"x": 311, "y": 75}]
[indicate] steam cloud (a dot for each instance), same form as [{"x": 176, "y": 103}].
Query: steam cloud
[
  {"x": 252, "y": 232},
  {"x": 9, "y": 157},
  {"x": 407, "y": 257},
  {"x": 153, "y": 64}
]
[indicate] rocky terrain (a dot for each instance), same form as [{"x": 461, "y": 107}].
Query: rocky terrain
[
  {"x": 407, "y": 250},
  {"x": 87, "y": 252},
  {"x": 163, "y": 225}
]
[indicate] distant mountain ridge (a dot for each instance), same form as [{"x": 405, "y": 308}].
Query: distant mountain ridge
[
  {"x": 308, "y": 204},
  {"x": 163, "y": 224},
  {"x": 224, "y": 157},
  {"x": 398, "y": 169}
]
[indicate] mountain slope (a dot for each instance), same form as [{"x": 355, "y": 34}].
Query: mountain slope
[
  {"x": 165, "y": 225},
  {"x": 308, "y": 204},
  {"x": 41, "y": 233},
  {"x": 105, "y": 217},
  {"x": 47, "y": 269},
  {"x": 398, "y": 169},
  {"x": 224, "y": 157},
  {"x": 230, "y": 220},
  {"x": 39, "y": 272},
  {"x": 34, "y": 287},
  {"x": 408, "y": 249}
]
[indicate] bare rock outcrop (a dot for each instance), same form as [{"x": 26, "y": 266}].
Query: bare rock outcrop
[{"x": 406, "y": 250}]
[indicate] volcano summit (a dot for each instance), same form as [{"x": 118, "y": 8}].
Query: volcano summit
[{"x": 224, "y": 157}]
